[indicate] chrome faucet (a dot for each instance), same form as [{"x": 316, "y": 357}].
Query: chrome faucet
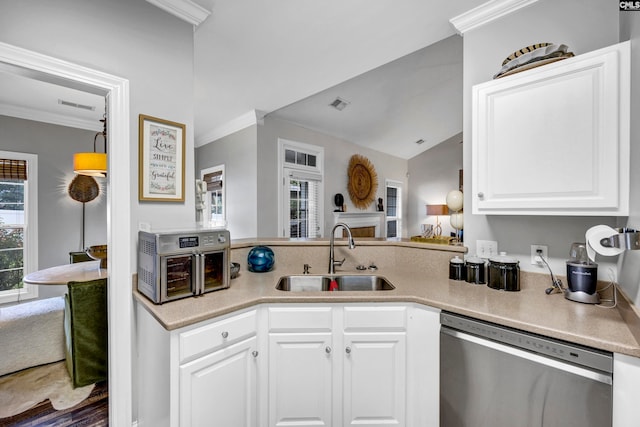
[{"x": 352, "y": 244}]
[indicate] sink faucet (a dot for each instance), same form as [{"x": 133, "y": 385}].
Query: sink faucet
[{"x": 352, "y": 244}]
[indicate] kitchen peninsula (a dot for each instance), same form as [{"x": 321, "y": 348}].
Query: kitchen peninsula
[{"x": 252, "y": 320}]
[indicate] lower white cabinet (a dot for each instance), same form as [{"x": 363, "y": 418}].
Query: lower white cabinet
[
  {"x": 219, "y": 389},
  {"x": 292, "y": 365},
  {"x": 338, "y": 365}
]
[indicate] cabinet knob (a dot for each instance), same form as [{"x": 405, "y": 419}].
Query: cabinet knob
[
  {"x": 327, "y": 349},
  {"x": 348, "y": 350},
  {"x": 225, "y": 334},
  {"x": 481, "y": 195},
  {"x": 254, "y": 353}
]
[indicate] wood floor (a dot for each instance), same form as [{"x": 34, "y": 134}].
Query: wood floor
[{"x": 91, "y": 412}]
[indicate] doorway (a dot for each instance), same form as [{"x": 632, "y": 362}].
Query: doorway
[{"x": 120, "y": 305}]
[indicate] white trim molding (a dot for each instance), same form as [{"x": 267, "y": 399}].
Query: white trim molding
[
  {"x": 119, "y": 237},
  {"x": 48, "y": 117},
  {"x": 486, "y": 13},
  {"x": 249, "y": 118},
  {"x": 186, "y": 10}
]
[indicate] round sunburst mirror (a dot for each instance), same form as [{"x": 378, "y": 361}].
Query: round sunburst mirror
[{"x": 363, "y": 181}]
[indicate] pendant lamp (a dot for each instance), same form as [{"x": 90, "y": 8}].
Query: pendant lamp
[{"x": 93, "y": 164}]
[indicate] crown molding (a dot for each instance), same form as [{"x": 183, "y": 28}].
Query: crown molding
[
  {"x": 249, "y": 118},
  {"x": 47, "y": 117},
  {"x": 486, "y": 13},
  {"x": 186, "y": 10}
]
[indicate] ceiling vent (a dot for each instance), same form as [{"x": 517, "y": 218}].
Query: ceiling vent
[
  {"x": 76, "y": 105},
  {"x": 339, "y": 104}
]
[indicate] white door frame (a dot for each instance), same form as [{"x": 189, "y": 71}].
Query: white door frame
[{"x": 120, "y": 301}]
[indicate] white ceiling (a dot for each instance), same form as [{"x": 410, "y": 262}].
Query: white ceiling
[
  {"x": 263, "y": 55},
  {"x": 260, "y": 56}
]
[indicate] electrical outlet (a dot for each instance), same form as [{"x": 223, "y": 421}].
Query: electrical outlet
[
  {"x": 534, "y": 254},
  {"x": 486, "y": 248}
]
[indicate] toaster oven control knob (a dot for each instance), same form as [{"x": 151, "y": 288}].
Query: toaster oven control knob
[
  {"x": 225, "y": 334},
  {"x": 254, "y": 353},
  {"x": 221, "y": 238}
]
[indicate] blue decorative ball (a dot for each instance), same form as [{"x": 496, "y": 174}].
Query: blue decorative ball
[{"x": 260, "y": 259}]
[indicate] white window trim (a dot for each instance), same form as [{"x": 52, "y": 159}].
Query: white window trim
[
  {"x": 398, "y": 216},
  {"x": 318, "y": 171},
  {"x": 31, "y": 227},
  {"x": 207, "y": 212}
]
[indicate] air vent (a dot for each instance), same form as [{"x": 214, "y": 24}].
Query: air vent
[
  {"x": 76, "y": 105},
  {"x": 339, "y": 104},
  {"x": 420, "y": 141}
]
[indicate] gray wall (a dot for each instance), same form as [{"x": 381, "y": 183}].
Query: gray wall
[
  {"x": 131, "y": 39},
  {"x": 238, "y": 153},
  {"x": 432, "y": 175},
  {"x": 337, "y": 153},
  {"x": 59, "y": 216},
  {"x": 630, "y": 261},
  {"x": 583, "y": 26}
]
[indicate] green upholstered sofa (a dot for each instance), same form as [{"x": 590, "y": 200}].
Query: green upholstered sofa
[{"x": 85, "y": 327}]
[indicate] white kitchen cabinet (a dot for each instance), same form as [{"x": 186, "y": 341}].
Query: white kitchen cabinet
[
  {"x": 554, "y": 140},
  {"x": 202, "y": 375},
  {"x": 219, "y": 389},
  {"x": 337, "y": 365}
]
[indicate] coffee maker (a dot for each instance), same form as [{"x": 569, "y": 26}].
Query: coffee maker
[{"x": 582, "y": 276}]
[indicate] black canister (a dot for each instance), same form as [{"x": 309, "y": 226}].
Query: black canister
[
  {"x": 475, "y": 270},
  {"x": 504, "y": 273},
  {"x": 456, "y": 268}
]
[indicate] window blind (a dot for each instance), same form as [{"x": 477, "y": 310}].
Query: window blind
[
  {"x": 213, "y": 180},
  {"x": 13, "y": 169}
]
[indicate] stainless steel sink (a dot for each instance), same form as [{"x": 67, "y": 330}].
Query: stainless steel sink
[{"x": 306, "y": 283}]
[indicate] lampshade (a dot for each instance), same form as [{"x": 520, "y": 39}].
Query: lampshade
[
  {"x": 437, "y": 210},
  {"x": 92, "y": 164}
]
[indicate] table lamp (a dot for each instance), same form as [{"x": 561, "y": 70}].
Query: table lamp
[{"x": 437, "y": 210}]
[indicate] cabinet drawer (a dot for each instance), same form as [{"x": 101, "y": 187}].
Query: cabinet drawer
[
  {"x": 310, "y": 319},
  {"x": 210, "y": 337},
  {"x": 377, "y": 318}
]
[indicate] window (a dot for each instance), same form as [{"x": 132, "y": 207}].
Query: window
[
  {"x": 300, "y": 167},
  {"x": 18, "y": 224},
  {"x": 215, "y": 198},
  {"x": 394, "y": 208}
]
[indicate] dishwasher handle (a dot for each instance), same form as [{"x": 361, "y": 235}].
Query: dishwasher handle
[{"x": 543, "y": 360}]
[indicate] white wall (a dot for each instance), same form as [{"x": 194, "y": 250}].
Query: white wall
[
  {"x": 238, "y": 153},
  {"x": 336, "y": 156},
  {"x": 432, "y": 175},
  {"x": 131, "y": 39},
  {"x": 583, "y": 26},
  {"x": 59, "y": 216}
]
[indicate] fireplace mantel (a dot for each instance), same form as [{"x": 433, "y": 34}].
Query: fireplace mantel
[{"x": 361, "y": 219}]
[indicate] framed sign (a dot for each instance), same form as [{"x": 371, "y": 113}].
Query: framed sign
[{"x": 161, "y": 156}]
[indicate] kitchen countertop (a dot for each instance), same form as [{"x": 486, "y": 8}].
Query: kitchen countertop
[{"x": 530, "y": 309}]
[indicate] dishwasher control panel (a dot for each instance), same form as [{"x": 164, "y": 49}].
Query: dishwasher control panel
[{"x": 574, "y": 353}]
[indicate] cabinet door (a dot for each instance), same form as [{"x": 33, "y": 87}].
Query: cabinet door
[
  {"x": 374, "y": 379},
  {"x": 220, "y": 389},
  {"x": 300, "y": 381},
  {"x": 554, "y": 140}
]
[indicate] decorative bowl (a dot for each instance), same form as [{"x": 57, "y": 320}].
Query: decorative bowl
[
  {"x": 235, "y": 270},
  {"x": 99, "y": 253},
  {"x": 260, "y": 259}
]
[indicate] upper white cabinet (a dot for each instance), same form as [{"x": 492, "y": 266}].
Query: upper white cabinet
[{"x": 554, "y": 140}]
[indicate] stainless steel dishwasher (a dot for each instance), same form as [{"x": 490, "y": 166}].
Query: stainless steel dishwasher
[{"x": 492, "y": 376}]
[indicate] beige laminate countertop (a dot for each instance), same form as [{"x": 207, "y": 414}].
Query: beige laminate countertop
[{"x": 530, "y": 310}]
